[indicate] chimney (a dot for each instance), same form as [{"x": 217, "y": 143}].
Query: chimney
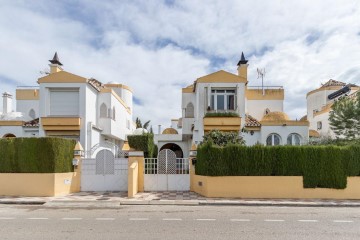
[
  {"x": 242, "y": 66},
  {"x": 159, "y": 129},
  {"x": 7, "y": 102},
  {"x": 55, "y": 65}
]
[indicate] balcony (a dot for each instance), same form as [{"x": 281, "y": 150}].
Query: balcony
[
  {"x": 61, "y": 123},
  {"x": 222, "y": 121}
]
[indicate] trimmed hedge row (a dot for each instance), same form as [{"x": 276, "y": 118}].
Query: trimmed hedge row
[
  {"x": 36, "y": 155},
  {"x": 320, "y": 166},
  {"x": 145, "y": 143}
]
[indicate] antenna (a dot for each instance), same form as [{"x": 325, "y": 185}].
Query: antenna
[
  {"x": 45, "y": 71},
  {"x": 261, "y": 74}
]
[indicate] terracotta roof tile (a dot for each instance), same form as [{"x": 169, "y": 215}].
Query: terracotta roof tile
[{"x": 251, "y": 121}]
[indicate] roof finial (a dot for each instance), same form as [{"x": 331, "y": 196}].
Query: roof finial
[
  {"x": 55, "y": 60},
  {"x": 242, "y": 60}
]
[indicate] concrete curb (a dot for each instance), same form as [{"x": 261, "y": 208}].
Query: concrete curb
[{"x": 119, "y": 203}]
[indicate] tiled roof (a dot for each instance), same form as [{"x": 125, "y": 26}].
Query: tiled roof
[
  {"x": 251, "y": 122},
  {"x": 333, "y": 82},
  {"x": 95, "y": 83},
  {"x": 32, "y": 123}
]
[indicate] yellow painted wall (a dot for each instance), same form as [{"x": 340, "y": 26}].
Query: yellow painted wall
[
  {"x": 38, "y": 184},
  {"x": 270, "y": 94},
  {"x": 269, "y": 187},
  {"x": 27, "y": 94},
  {"x": 222, "y": 123}
]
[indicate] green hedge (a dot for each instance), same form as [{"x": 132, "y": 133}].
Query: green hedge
[
  {"x": 221, "y": 114},
  {"x": 320, "y": 166},
  {"x": 145, "y": 143},
  {"x": 36, "y": 155}
]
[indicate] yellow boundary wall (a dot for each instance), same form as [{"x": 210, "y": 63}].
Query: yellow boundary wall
[
  {"x": 39, "y": 184},
  {"x": 268, "y": 187}
]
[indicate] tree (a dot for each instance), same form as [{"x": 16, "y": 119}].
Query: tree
[
  {"x": 223, "y": 138},
  {"x": 344, "y": 117},
  {"x": 140, "y": 125}
]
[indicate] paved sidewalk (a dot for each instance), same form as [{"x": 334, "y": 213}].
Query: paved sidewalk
[{"x": 116, "y": 199}]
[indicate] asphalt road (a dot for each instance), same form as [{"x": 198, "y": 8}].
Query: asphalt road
[{"x": 179, "y": 222}]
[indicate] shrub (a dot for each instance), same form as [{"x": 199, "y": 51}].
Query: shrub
[
  {"x": 320, "y": 166},
  {"x": 144, "y": 142},
  {"x": 221, "y": 138},
  {"x": 36, "y": 155},
  {"x": 221, "y": 114}
]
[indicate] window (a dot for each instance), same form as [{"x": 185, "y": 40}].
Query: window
[
  {"x": 64, "y": 102},
  {"x": 294, "y": 139},
  {"x": 113, "y": 114},
  {"x": 189, "y": 110},
  {"x": 273, "y": 140},
  {"x": 32, "y": 114},
  {"x": 103, "y": 110},
  {"x": 319, "y": 125},
  {"x": 222, "y": 99}
]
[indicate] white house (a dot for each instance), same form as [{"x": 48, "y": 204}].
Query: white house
[
  {"x": 67, "y": 105},
  {"x": 225, "y": 101},
  {"x": 319, "y": 102}
]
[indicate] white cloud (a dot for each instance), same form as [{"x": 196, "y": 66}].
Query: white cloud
[{"x": 156, "y": 48}]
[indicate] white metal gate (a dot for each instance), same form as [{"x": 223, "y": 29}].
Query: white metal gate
[
  {"x": 104, "y": 172},
  {"x": 166, "y": 173}
]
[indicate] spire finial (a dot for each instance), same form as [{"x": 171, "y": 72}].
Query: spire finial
[
  {"x": 55, "y": 60},
  {"x": 242, "y": 59}
]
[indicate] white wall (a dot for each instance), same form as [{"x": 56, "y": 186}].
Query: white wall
[
  {"x": 251, "y": 140},
  {"x": 24, "y": 106},
  {"x": 256, "y": 108},
  {"x": 16, "y": 130},
  {"x": 284, "y": 132}
]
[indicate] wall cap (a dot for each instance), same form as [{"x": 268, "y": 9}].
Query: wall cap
[{"x": 136, "y": 154}]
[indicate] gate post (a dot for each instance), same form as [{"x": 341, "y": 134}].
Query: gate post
[
  {"x": 76, "y": 181},
  {"x": 136, "y": 160}
]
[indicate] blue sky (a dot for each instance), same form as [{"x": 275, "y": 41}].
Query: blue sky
[{"x": 156, "y": 47}]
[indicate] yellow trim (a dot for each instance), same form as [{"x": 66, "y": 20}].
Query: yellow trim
[
  {"x": 253, "y": 128},
  {"x": 62, "y": 77},
  {"x": 270, "y": 94},
  {"x": 78, "y": 147},
  {"x": 221, "y": 77},
  {"x": 109, "y": 90},
  {"x": 27, "y": 94},
  {"x": 285, "y": 123},
  {"x": 66, "y": 132},
  {"x": 61, "y": 123},
  {"x": 187, "y": 90},
  {"x": 222, "y": 123},
  {"x": 329, "y": 88},
  {"x": 115, "y": 85},
  {"x": 325, "y": 109},
  {"x": 11, "y": 123}
]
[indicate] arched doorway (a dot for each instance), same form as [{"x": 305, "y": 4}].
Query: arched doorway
[
  {"x": 9, "y": 135},
  {"x": 175, "y": 148}
]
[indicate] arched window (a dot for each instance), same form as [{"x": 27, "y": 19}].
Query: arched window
[
  {"x": 189, "y": 110},
  {"x": 32, "y": 114},
  {"x": 103, "y": 110},
  {"x": 9, "y": 135},
  {"x": 113, "y": 114},
  {"x": 273, "y": 140},
  {"x": 294, "y": 139}
]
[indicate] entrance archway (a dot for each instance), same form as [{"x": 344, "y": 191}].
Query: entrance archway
[
  {"x": 9, "y": 135},
  {"x": 175, "y": 148}
]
